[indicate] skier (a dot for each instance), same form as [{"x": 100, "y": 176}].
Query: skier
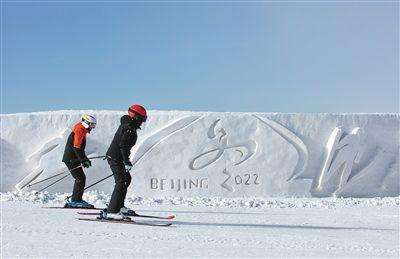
[
  {"x": 118, "y": 159},
  {"x": 75, "y": 157}
]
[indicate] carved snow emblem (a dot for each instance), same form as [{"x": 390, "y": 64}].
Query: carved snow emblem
[
  {"x": 149, "y": 143},
  {"x": 35, "y": 160},
  {"x": 295, "y": 141},
  {"x": 245, "y": 149},
  {"x": 342, "y": 153},
  {"x": 225, "y": 184}
]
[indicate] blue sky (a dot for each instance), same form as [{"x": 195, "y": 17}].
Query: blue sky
[{"x": 209, "y": 56}]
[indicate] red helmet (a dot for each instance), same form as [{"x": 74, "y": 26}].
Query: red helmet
[{"x": 137, "y": 109}]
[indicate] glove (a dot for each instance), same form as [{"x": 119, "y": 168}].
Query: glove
[
  {"x": 128, "y": 165},
  {"x": 86, "y": 163}
]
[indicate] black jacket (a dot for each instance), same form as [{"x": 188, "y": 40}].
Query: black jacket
[
  {"x": 75, "y": 147},
  {"x": 124, "y": 139}
]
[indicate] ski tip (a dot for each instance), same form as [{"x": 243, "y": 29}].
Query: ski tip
[{"x": 171, "y": 217}]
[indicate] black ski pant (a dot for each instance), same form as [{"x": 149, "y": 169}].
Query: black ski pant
[
  {"x": 80, "y": 180},
  {"x": 122, "y": 180}
]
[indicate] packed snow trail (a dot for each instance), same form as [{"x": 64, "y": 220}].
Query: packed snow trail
[{"x": 205, "y": 231}]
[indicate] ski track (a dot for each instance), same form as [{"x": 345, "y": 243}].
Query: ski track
[{"x": 31, "y": 231}]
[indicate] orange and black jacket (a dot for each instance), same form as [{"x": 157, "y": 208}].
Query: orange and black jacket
[{"x": 76, "y": 143}]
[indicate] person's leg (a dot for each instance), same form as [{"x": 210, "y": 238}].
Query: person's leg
[
  {"x": 80, "y": 181},
  {"x": 122, "y": 182},
  {"x": 127, "y": 182}
]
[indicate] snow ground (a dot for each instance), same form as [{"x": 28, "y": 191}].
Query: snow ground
[{"x": 285, "y": 228}]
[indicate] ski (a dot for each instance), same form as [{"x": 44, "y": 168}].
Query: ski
[
  {"x": 169, "y": 217},
  {"x": 59, "y": 207},
  {"x": 129, "y": 221}
]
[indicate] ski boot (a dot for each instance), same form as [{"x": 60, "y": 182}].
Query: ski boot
[
  {"x": 104, "y": 214},
  {"x": 79, "y": 204},
  {"x": 127, "y": 211}
]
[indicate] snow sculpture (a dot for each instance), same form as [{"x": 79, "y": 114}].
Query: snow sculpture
[
  {"x": 295, "y": 141},
  {"x": 246, "y": 149},
  {"x": 36, "y": 159},
  {"x": 342, "y": 153},
  {"x": 156, "y": 138},
  {"x": 192, "y": 154}
]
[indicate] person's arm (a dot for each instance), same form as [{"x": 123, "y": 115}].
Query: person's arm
[{"x": 125, "y": 143}]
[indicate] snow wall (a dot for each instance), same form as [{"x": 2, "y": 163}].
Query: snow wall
[{"x": 188, "y": 154}]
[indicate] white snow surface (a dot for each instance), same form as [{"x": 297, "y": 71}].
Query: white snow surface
[
  {"x": 206, "y": 228},
  {"x": 240, "y": 184},
  {"x": 100, "y": 199}
]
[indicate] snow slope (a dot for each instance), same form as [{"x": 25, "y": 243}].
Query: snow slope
[
  {"x": 228, "y": 155},
  {"x": 354, "y": 231}
]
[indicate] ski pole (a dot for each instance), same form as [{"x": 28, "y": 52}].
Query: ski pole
[
  {"x": 63, "y": 172},
  {"x": 90, "y": 158},
  {"x": 48, "y": 178},
  {"x": 72, "y": 161},
  {"x": 52, "y": 184},
  {"x": 32, "y": 184},
  {"x": 99, "y": 181}
]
